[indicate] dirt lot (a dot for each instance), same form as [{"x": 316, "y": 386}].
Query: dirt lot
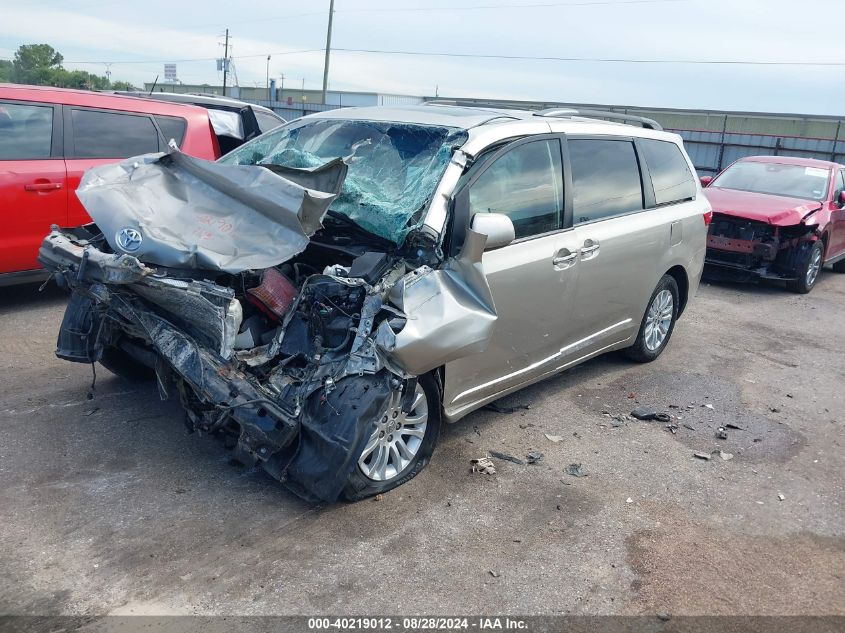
[{"x": 108, "y": 506}]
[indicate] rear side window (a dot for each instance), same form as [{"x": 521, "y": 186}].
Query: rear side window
[
  {"x": 112, "y": 134},
  {"x": 605, "y": 179},
  {"x": 26, "y": 131},
  {"x": 670, "y": 174},
  {"x": 172, "y": 127},
  {"x": 526, "y": 184},
  {"x": 266, "y": 122}
]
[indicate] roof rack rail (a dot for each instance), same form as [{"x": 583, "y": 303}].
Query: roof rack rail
[
  {"x": 440, "y": 102},
  {"x": 645, "y": 122}
]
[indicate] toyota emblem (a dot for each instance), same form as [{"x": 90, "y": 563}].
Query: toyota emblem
[{"x": 129, "y": 239}]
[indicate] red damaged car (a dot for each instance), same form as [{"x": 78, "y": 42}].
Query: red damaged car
[{"x": 776, "y": 217}]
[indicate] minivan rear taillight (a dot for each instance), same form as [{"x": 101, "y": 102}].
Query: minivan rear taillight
[{"x": 708, "y": 217}]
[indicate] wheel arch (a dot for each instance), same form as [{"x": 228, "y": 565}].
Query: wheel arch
[
  {"x": 679, "y": 274},
  {"x": 825, "y": 238}
]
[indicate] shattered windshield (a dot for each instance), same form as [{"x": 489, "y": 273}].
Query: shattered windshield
[
  {"x": 393, "y": 167},
  {"x": 792, "y": 181}
]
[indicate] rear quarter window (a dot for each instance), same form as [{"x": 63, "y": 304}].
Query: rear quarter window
[
  {"x": 670, "y": 173},
  {"x": 267, "y": 122},
  {"x": 98, "y": 134},
  {"x": 172, "y": 127}
]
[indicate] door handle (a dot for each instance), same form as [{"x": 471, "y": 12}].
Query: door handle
[
  {"x": 590, "y": 249},
  {"x": 562, "y": 261},
  {"x": 43, "y": 186}
]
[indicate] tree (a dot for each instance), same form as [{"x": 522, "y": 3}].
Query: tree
[
  {"x": 6, "y": 69},
  {"x": 41, "y": 64},
  {"x": 36, "y": 64}
]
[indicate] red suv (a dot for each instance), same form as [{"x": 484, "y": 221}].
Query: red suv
[
  {"x": 776, "y": 217},
  {"x": 50, "y": 136}
]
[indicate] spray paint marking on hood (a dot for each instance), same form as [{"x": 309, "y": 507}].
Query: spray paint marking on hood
[{"x": 183, "y": 212}]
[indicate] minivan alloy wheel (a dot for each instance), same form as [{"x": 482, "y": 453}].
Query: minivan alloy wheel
[
  {"x": 659, "y": 319},
  {"x": 396, "y": 439}
]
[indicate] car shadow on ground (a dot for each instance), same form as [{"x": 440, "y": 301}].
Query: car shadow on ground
[
  {"x": 601, "y": 368},
  {"x": 765, "y": 287},
  {"x": 26, "y": 296}
]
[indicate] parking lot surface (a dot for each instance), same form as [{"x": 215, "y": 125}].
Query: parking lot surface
[{"x": 109, "y": 506}]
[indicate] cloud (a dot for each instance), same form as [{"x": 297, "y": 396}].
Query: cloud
[{"x": 752, "y": 29}]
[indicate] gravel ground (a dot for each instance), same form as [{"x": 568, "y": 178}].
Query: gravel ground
[{"x": 109, "y": 507}]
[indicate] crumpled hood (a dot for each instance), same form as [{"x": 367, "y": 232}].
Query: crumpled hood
[
  {"x": 183, "y": 212},
  {"x": 762, "y": 207}
]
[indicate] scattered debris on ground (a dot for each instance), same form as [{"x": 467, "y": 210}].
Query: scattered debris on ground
[
  {"x": 721, "y": 433},
  {"x": 500, "y": 409},
  {"x": 494, "y": 573},
  {"x": 725, "y": 456},
  {"x": 534, "y": 457},
  {"x": 731, "y": 425},
  {"x": 554, "y": 438},
  {"x": 483, "y": 465},
  {"x": 575, "y": 470},
  {"x": 506, "y": 457},
  {"x": 700, "y": 455},
  {"x": 648, "y": 413},
  {"x": 781, "y": 497},
  {"x": 629, "y": 500}
]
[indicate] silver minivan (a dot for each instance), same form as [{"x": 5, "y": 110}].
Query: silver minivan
[{"x": 323, "y": 297}]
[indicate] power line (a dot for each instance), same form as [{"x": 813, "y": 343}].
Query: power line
[
  {"x": 611, "y": 60},
  {"x": 615, "y": 60},
  {"x": 479, "y": 7}
]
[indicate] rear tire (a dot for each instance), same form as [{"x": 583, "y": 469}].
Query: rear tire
[
  {"x": 120, "y": 363},
  {"x": 809, "y": 269},
  {"x": 658, "y": 322},
  {"x": 364, "y": 481}
]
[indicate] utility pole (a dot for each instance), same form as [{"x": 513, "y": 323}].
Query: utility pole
[
  {"x": 328, "y": 51},
  {"x": 268, "y": 78},
  {"x": 225, "y": 61}
]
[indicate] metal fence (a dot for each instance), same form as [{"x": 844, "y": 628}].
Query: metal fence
[
  {"x": 715, "y": 139},
  {"x": 713, "y": 151}
]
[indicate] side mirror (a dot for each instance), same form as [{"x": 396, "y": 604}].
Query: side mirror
[
  {"x": 706, "y": 180},
  {"x": 841, "y": 199},
  {"x": 496, "y": 226}
]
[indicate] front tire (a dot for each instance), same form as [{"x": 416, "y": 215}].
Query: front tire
[
  {"x": 400, "y": 445},
  {"x": 809, "y": 269},
  {"x": 658, "y": 322}
]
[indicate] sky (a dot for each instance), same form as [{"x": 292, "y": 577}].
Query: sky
[{"x": 137, "y": 38}]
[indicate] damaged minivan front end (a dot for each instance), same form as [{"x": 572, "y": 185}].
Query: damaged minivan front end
[{"x": 294, "y": 304}]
